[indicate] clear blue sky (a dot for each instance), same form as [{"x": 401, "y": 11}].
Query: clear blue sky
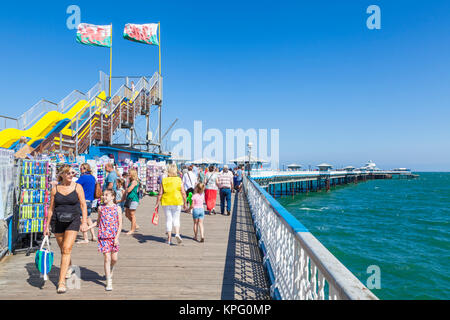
[{"x": 338, "y": 92}]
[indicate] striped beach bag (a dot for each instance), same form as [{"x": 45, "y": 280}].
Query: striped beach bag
[{"x": 44, "y": 259}]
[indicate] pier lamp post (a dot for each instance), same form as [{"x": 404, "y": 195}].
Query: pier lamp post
[{"x": 249, "y": 145}]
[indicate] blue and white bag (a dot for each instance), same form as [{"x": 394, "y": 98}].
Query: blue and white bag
[{"x": 44, "y": 259}]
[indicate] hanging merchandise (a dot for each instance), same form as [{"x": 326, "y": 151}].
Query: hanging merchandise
[
  {"x": 142, "y": 172},
  {"x": 154, "y": 171},
  {"x": 7, "y": 177},
  {"x": 100, "y": 173},
  {"x": 34, "y": 195}
]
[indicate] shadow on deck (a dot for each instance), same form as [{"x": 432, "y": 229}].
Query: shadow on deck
[{"x": 244, "y": 274}]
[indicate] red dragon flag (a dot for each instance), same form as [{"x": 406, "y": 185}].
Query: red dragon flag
[
  {"x": 94, "y": 35},
  {"x": 143, "y": 33}
]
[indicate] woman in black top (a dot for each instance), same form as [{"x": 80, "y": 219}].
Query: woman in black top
[{"x": 66, "y": 204}]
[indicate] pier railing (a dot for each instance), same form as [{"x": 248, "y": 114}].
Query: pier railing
[{"x": 298, "y": 265}]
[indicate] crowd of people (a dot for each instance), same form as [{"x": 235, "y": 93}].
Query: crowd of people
[{"x": 187, "y": 189}]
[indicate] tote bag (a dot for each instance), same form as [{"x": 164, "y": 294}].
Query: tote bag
[
  {"x": 155, "y": 217},
  {"x": 44, "y": 259}
]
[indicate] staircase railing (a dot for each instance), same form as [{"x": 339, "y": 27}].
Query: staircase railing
[
  {"x": 98, "y": 119},
  {"x": 68, "y": 102},
  {"x": 8, "y": 122},
  {"x": 36, "y": 112}
]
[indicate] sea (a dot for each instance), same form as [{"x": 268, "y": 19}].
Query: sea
[{"x": 397, "y": 230}]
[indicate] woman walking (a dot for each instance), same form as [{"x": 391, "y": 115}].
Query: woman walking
[
  {"x": 87, "y": 181},
  {"x": 172, "y": 196},
  {"x": 211, "y": 189},
  {"x": 132, "y": 201},
  {"x": 66, "y": 204}
]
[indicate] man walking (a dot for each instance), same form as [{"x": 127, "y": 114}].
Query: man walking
[
  {"x": 225, "y": 181},
  {"x": 111, "y": 179},
  {"x": 238, "y": 179}
]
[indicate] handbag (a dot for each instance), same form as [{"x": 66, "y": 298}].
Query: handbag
[
  {"x": 98, "y": 191},
  {"x": 44, "y": 259},
  {"x": 155, "y": 217}
]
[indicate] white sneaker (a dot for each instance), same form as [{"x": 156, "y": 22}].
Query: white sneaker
[
  {"x": 179, "y": 240},
  {"x": 109, "y": 284}
]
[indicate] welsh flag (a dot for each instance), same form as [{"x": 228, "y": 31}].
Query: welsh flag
[
  {"x": 93, "y": 35},
  {"x": 143, "y": 33}
]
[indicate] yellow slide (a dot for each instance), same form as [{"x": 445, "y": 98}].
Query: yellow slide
[{"x": 41, "y": 128}]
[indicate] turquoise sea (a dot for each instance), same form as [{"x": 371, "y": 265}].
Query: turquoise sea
[{"x": 401, "y": 226}]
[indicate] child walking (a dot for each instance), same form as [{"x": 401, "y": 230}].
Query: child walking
[
  {"x": 109, "y": 226},
  {"x": 198, "y": 213}
]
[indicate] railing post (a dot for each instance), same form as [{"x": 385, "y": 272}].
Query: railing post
[
  {"x": 76, "y": 140},
  {"x": 101, "y": 127},
  {"x": 120, "y": 114},
  {"x": 111, "y": 126},
  {"x": 60, "y": 140}
]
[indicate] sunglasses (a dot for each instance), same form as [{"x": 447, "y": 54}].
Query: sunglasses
[{"x": 71, "y": 173}]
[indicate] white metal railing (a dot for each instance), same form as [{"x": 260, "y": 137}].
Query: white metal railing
[
  {"x": 36, "y": 112},
  {"x": 8, "y": 122},
  {"x": 70, "y": 100},
  {"x": 94, "y": 105},
  {"x": 299, "y": 266}
]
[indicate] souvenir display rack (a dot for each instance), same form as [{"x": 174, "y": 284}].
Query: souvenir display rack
[
  {"x": 34, "y": 198},
  {"x": 154, "y": 171}
]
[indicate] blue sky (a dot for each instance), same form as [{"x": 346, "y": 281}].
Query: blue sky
[{"x": 338, "y": 92}]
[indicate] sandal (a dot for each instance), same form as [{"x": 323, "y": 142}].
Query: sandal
[
  {"x": 61, "y": 288},
  {"x": 82, "y": 241}
]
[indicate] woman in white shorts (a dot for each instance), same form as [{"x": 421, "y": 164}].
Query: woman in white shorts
[{"x": 172, "y": 196}]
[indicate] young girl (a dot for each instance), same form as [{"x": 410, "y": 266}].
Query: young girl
[
  {"x": 109, "y": 226},
  {"x": 199, "y": 213}
]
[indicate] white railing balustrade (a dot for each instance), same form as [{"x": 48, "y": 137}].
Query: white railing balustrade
[
  {"x": 299, "y": 266},
  {"x": 8, "y": 122}
]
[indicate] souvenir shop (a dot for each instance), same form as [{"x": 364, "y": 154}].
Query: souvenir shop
[{"x": 25, "y": 186}]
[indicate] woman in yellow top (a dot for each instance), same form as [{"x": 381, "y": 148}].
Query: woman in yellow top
[{"x": 172, "y": 196}]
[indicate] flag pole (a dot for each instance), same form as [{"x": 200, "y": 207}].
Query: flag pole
[
  {"x": 159, "y": 40},
  {"x": 110, "y": 64},
  {"x": 159, "y": 84}
]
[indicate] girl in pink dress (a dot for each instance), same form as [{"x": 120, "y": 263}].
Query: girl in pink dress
[{"x": 109, "y": 224}]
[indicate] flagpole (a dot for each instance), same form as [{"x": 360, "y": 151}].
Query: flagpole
[
  {"x": 110, "y": 64},
  {"x": 159, "y": 40},
  {"x": 159, "y": 46}
]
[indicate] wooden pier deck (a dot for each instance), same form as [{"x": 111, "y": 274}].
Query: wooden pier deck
[{"x": 227, "y": 266}]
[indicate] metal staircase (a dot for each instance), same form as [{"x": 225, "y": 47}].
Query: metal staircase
[{"x": 101, "y": 116}]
